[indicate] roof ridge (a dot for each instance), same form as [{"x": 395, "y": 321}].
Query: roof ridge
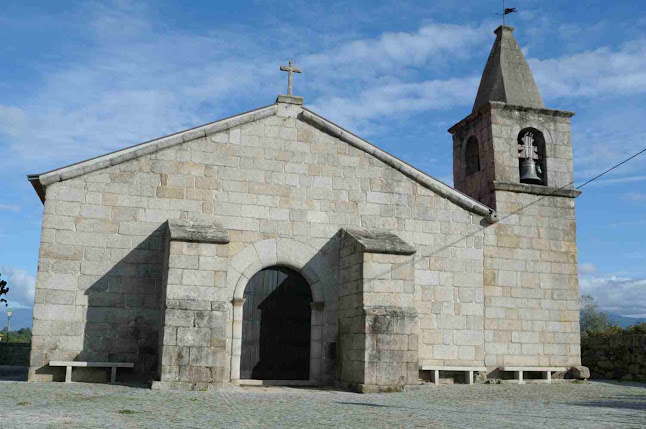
[
  {"x": 40, "y": 181},
  {"x": 80, "y": 168}
]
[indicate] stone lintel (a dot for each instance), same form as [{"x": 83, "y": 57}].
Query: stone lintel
[
  {"x": 525, "y": 188},
  {"x": 181, "y": 230},
  {"x": 378, "y": 241},
  {"x": 290, "y": 99}
]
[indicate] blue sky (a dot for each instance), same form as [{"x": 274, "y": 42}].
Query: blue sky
[{"x": 83, "y": 78}]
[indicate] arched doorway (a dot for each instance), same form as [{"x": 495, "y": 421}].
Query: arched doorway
[{"x": 276, "y": 326}]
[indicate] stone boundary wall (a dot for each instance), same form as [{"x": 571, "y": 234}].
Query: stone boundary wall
[
  {"x": 16, "y": 354},
  {"x": 615, "y": 356}
]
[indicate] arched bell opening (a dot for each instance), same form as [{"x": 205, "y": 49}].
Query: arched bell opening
[
  {"x": 472, "y": 156},
  {"x": 531, "y": 157},
  {"x": 276, "y": 326}
]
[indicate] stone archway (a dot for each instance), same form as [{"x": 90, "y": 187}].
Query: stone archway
[{"x": 308, "y": 262}]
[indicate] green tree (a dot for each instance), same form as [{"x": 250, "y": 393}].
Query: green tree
[
  {"x": 592, "y": 319},
  {"x": 3, "y": 291}
]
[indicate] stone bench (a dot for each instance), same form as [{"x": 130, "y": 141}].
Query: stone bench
[
  {"x": 546, "y": 370},
  {"x": 70, "y": 364},
  {"x": 469, "y": 370}
]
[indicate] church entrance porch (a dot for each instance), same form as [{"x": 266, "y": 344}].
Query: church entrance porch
[{"x": 276, "y": 326}]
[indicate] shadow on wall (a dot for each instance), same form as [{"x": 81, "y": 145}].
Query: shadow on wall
[
  {"x": 328, "y": 255},
  {"x": 122, "y": 320}
]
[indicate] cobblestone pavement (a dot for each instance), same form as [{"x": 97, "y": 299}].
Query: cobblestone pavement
[{"x": 81, "y": 405}]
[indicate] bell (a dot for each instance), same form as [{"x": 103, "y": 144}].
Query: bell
[{"x": 528, "y": 172}]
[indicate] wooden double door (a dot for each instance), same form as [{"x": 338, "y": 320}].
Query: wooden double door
[{"x": 276, "y": 326}]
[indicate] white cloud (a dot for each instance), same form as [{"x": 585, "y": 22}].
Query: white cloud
[
  {"x": 9, "y": 207},
  {"x": 627, "y": 179},
  {"x": 391, "y": 52},
  {"x": 21, "y": 287},
  {"x": 611, "y": 132},
  {"x": 12, "y": 120},
  {"x": 637, "y": 197},
  {"x": 396, "y": 99},
  {"x": 137, "y": 83},
  {"x": 601, "y": 72},
  {"x": 619, "y": 295},
  {"x": 587, "y": 268},
  {"x": 145, "y": 81}
]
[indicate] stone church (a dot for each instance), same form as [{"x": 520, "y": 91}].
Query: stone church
[{"x": 276, "y": 245}]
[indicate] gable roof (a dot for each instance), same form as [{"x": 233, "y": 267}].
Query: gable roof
[
  {"x": 41, "y": 181},
  {"x": 507, "y": 77}
]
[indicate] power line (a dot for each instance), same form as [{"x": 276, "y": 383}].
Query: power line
[
  {"x": 572, "y": 183},
  {"x": 447, "y": 245},
  {"x": 612, "y": 168}
]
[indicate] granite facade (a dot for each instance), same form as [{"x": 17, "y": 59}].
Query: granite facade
[{"x": 113, "y": 284}]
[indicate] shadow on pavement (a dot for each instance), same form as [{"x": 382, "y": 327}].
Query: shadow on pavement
[{"x": 13, "y": 373}]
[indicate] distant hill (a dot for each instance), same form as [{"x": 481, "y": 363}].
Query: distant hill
[
  {"x": 624, "y": 321},
  {"x": 21, "y": 318}
]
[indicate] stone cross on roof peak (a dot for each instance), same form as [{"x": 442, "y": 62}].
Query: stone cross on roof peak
[{"x": 290, "y": 78}]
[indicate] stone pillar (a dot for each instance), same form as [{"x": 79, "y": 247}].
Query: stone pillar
[
  {"x": 236, "y": 333},
  {"x": 378, "y": 324},
  {"x": 316, "y": 343},
  {"x": 193, "y": 341}
]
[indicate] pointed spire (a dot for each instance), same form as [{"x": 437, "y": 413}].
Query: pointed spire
[{"x": 507, "y": 76}]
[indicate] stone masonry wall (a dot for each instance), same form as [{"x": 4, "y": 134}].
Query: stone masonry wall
[
  {"x": 530, "y": 283},
  {"x": 378, "y": 325},
  {"x": 14, "y": 354},
  {"x": 507, "y": 122},
  {"x": 496, "y": 126},
  {"x": 530, "y": 274},
  {"x": 99, "y": 278},
  {"x": 615, "y": 355},
  {"x": 476, "y": 184},
  {"x": 194, "y": 347},
  {"x": 352, "y": 339}
]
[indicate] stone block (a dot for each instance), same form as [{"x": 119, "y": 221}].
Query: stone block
[
  {"x": 198, "y": 337},
  {"x": 177, "y": 318},
  {"x": 207, "y": 356},
  {"x": 197, "y": 278},
  {"x": 468, "y": 338},
  {"x": 183, "y": 261}
]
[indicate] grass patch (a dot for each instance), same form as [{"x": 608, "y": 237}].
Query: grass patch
[
  {"x": 24, "y": 403},
  {"x": 126, "y": 411}
]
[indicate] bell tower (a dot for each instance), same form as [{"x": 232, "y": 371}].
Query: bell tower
[
  {"x": 510, "y": 141},
  {"x": 515, "y": 155}
]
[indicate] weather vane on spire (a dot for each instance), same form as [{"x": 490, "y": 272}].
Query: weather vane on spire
[{"x": 506, "y": 11}]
